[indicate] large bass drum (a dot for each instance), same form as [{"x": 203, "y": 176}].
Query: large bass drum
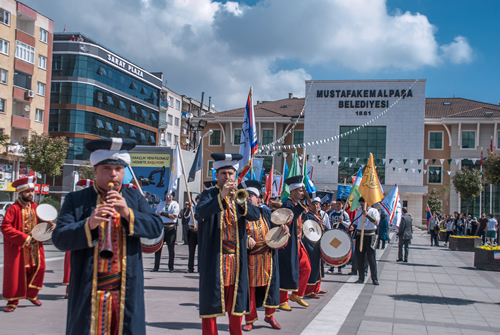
[
  {"x": 336, "y": 247},
  {"x": 152, "y": 245}
]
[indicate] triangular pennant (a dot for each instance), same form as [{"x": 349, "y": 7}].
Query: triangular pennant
[
  {"x": 412, "y": 170},
  {"x": 441, "y": 161},
  {"x": 399, "y": 169},
  {"x": 350, "y": 164},
  {"x": 319, "y": 160},
  {"x": 338, "y": 163},
  {"x": 279, "y": 154},
  {"x": 457, "y": 160},
  {"x": 406, "y": 170},
  {"x": 426, "y": 161},
  {"x": 362, "y": 165},
  {"x": 345, "y": 159},
  {"x": 383, "y": 161},
  {"x": 449, "y": 161},
  {"x": 425, "y": 171},
  {"x": 419, "y": 171},
  {"x": 285, "y": 154},
  {"x": 473, "y": 161},
  {"x": 433, "y": 161},
  {"x": 301, "y": 157},
  {"x": 404, "y": 161},
  {"x": 390, "y": 160},
  {"x": 419, "y": 161},
  {"x": 308, "y": 157},
  {"x": 411, "y": 161},
  {"x": 326, "y": 161},
  {"x": 393, "y": 169},
  {"x": 397, "y": 160},
  {"x": 329, "y": 157},
  {"x": 449, "y": 172},
  {"x": 333, "y": 162},
  {"x": 357, "y": 159}
]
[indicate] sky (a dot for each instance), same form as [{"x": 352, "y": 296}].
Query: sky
[{"x": 224, "y": 48}]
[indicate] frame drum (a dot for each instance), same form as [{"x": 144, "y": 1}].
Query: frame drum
[
  {"x": 282, "y": 216},
  {"x": 275, "y": 239},
  {"x": 336, "y": 247},
  {"x": 152, "y": 245},
  {"x": 46, "y": 212},
  {"x": 312, "y": 230},
  {"x": 42, "y": 232}
]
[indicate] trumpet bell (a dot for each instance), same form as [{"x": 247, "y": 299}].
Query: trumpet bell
[{"x": 241, "y": 196}]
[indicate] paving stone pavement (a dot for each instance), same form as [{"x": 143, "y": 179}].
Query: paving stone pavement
[{"x": 437, "y": 292}]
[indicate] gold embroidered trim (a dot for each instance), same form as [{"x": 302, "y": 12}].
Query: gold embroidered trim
[{"x": 131, "y": 226}]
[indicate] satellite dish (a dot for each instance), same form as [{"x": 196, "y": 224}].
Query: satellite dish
[
  {"x": 189, "y": 115},
  {"x": 27, "y": 108}
]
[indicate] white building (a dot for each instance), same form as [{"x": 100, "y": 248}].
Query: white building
[{"x": 170, "y": 117}]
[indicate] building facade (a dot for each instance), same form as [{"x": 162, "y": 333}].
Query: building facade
[
  {"x": 96, "y": 93},
  {"x": 25, "y": 75},
  {"x": 170, "y": 117}
]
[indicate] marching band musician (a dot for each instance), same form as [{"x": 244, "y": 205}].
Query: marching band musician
[
  {"x": 263, "y": 274},
  {"x": 106, "y": 295},
  {"x": 339, "y": 219},
  {"x": 80, "y": 185},
  {"x": 314, "y": 251},
  {"x": 294, "y": 264},
  {"x": 24, "y": 257},
  {"x": 369, "y": 240},
  {"x": 223, "y": 248}
]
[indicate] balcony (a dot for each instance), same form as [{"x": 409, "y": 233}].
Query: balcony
[
  {"x": 163, "y": 103},
  {"x": 20, "y": 122}
]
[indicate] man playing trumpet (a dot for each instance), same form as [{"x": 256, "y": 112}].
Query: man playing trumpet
[
  {"x": 222, "y": 249},
  {"x": 24, "y": 258}
]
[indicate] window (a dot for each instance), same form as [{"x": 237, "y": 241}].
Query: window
[
  {"x": 133, "y": 109},
  {"x": 170, "y": 119},
  {"x": 44, "y": 35},
  {"x": 435, "y": 140},
  {"x": 4, "y": 17},
  {"x": 121, "y": 130},
  {"x": 298, "y": 137},
  {"x": 42, "y": 62},
  {"x": 40, "y": 89},
  {"x": 209, "y": 170},
  {"x": 102, "y": 71},
  {"x": 177, "y": 104},
  {"x": 360, "y": 144},
  {"x": 153, "y": 117},
  {"x": 131, "y": 133},
  {"x": 143, "y": 137},
  {"x": 176, "y": 138},
  {"x": 122, "y": 105},
  {"x": 3, "y": 76},
  {"x": 154, "y": 95},
  {"x": 169, "y": 139},
  {"x": 133, "y": 86},
  {"x": 39, "y": 115},
  {"x": 22, "y": 80},
  {"x": 152, "y": 138},
  {"x": 237, "y": 137},
  {"x": 109, "y": 126},
  {"x": 434, "y": 175},
  {"x": 215, "y": 137},
  {"x": 2, "y": 106},
  {"x": 177, "y": 122},
  {"x": 144, "y": 113},
  {"x": 100, "y": 96},
  {"x": 267, "y": 136},
  {"x": 468, "y": 140},
  {"x": 109, "y": 100},
  {"x": 4, "y": 47},
  {"x": 405, "y": 203},
  {"x": 100, "y": 124},
  {"x": 170, "y": 102},
  {"x": 25, "y": 52},
  {"x": 144, "y": 91}
]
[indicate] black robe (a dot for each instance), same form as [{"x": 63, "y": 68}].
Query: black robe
[
  {"x": 72, "y": 233},
  {"x": 314, "y": 251},
  {"x": 209, "y": 213},
  {"x": 269, "y": 296},
  {"x": 289, "y": 255}
]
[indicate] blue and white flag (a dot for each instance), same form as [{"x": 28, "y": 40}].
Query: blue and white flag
[
  {"x": 343, "y": 191},
  {"x": 391, "y": 204}
]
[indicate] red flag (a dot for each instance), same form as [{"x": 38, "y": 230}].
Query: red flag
[
  {"x": 45, "y": 189},
  {"x": 269, "y": 186},
  {"x": 481, "y": 160},
  {"x": 491, "y": 145},
  {"x": 37, "y": 188}
]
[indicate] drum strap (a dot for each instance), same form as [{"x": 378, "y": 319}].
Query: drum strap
[
  {"x": 109, "y": 281},
  {"x": 259, "y": 249},
  {"x": 367, "y": 232},
  {"x": 229, "y": 247}
]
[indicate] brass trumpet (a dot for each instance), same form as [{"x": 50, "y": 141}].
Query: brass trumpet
[{"x": 240, "y": 196}]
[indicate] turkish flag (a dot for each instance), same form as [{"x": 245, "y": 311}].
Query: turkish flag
[
  {"x": 37, "y": 188},
  {"x": 45, "y": 189}
]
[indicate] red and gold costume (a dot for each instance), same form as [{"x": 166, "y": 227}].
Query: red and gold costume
[
  {"x": 24, "y": 259},
  {"x": 260, "y": 269}
]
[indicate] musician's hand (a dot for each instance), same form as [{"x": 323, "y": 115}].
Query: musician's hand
[
  {"x": 100, "y": 214},
  {"x": 52, "y": 225},
  {"x": 365, "y": 212},
  {"x": 285, "y": 229},
  {"x": 340, "y": 220},
  {"x": 306, "y": 210},
  {"x": 116, "y": 200},
  {"x": 195, "y": 228},
  {"x": 251, "y": 243},
  {"x": 351, "y": 228},
  {"x": 228, "y": 189}
]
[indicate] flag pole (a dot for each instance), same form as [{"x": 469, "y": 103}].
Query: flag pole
[
  {"x": 362, "y": 230},
  {"x": 187, "y": 186},
  {"x": 135, "y": 179}
]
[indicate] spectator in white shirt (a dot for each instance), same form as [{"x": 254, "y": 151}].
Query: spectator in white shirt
[
  {"x": 491, "y": 230},
  {"x": 168, "y": 210}
]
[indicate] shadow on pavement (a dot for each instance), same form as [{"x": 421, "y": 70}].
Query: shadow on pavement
[
  {"x": 428, "y": 299},
  {"x": 189, "y": 304},
  {"x": 424, "y": 265},
  {"x": 171, "y": 288},
  {"x": 53, "y": 285},
  {"x": 50, "y": 297},
  {"x": 182, "y": 325}
]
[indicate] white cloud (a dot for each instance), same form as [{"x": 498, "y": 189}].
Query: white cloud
[
  {"x": 458, "y": 51},
  {"x": 223, "y": 49}
]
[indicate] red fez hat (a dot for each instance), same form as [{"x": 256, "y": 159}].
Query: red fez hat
[
  {"x": 23, "y": 184},
  {"x": 85, "y": 182},
  {"x": 130, "y": 186}
]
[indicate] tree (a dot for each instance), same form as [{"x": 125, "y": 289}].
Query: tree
[
  {"x": 436, "y": 198},
  {"x": 491, "y": 170},
  {"x": 4, "y": 141},
  {"x": 86, "y": 171},
  {"x": 469, "y": 183},
  {"x": 45, "y": 154}
]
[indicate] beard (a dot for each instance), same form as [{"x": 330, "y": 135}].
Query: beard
[{"x": 25, "y": 197}]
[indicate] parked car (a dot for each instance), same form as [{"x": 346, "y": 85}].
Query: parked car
[{"x": 3, "y": 208}]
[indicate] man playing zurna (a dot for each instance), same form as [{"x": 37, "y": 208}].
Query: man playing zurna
[
  {"x": 106, "y": 295},
  {"x": 314, "y": 251},
  {"x": 24, "y": 258},
  {"x": 222, "y": 248},
  {"x": 263, "y": 273},
  {"x": 294, "y": 264}
]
